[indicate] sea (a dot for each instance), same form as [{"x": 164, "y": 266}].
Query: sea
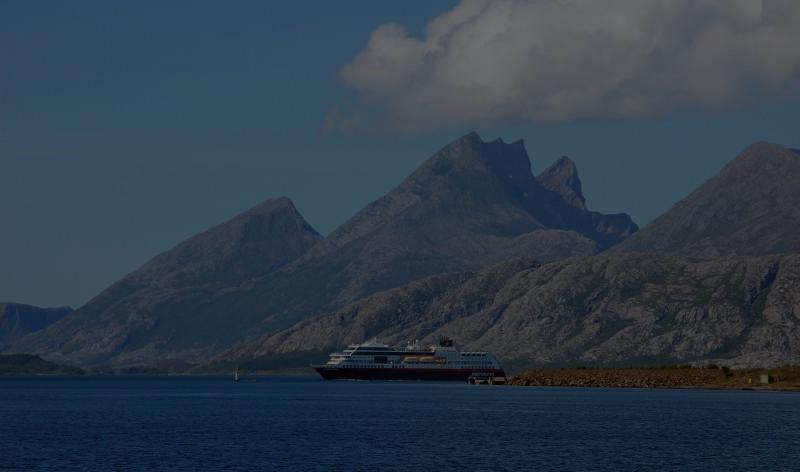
[{"x": 304, "y": 423}]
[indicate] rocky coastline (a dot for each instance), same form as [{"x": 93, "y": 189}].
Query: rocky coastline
[{"x": 784, "y": 378}]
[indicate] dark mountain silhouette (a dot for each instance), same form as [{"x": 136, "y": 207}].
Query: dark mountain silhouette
[
  {"x": 18, "y": 320},
  {"x": 472, "y": 204},
  {"x": 751, "y": 207}
]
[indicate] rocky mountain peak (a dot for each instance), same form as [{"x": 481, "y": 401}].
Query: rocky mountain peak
[
  {"x": 251, "y": 244},
  {"x": 277, "y": 215},
  {"x": 470, "y": 150},
  {"x": 509, "y": 161},
  {"x": 762, "y": 147},
  {"x": 471, "y": 166},
  {"x": 762, "y": 157},
  {"x": 272, "y": 204},
  {"x": 562, "y": 177},
  {"x": 466, "y": 177},
  {"x": 751, "y": 207}
]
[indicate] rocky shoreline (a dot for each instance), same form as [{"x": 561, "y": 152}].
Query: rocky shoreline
[{"x": 784, "y": 378}]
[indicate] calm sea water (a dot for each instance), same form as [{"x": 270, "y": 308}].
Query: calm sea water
[{"x": 187, "y": 424}]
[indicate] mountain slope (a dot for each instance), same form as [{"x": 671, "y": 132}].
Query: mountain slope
[
  {"x": 472, "y": 204},
  {"x": 751, "y": 207},
  {"x": 250, "y": 245},
  {"x": 150, "y": 311},
  {"x": 562, "y": 178},
  {"x": 600, "y": 310},
  {"x": 18, "y": 320}
]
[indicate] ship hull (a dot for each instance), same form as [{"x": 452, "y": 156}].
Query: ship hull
[{"x": 345, "y": 373}]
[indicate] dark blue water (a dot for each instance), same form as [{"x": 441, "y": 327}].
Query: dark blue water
[{"x": 192, "y": 424}]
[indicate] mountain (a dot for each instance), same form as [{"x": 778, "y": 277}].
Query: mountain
[
  {"x": 751, "y": 207},
  {"x": 562, "y": 178},
  {"x": 152, "y": 307},
  {"x": 18, "y": 320},
  {"x": 600, "y": 310},
  {"x": 470, "y": 205},
  {"x": 250, "y": 245}
]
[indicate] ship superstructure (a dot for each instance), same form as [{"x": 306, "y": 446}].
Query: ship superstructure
[{"x": 377, "y": 361}]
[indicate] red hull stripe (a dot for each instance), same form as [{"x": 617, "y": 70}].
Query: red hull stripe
[{"x": 331, "y": 373}]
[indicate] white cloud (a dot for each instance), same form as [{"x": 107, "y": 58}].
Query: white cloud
[{"x": 490, "y": 62}]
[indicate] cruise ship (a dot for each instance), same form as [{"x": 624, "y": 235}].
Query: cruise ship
[{"x": 376, "y": 361}]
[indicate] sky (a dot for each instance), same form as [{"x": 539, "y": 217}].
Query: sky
[{"x": 126, "y": 127}]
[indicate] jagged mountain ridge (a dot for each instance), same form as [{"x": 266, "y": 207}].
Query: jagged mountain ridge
[
  {"x": 470, "y": 205},
  {"x": 751, "y": 207},
  {"x": 473, "y": 203},
  {"x": 600, "y": 310}
]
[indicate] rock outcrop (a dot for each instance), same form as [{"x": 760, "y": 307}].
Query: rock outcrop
[
  {"x": 601, "y": 310},
  {"x": 562, "y": 178},
  {"x": 685, "y": 377}
]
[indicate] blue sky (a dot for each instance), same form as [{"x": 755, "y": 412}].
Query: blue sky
[{"x": 126, "y": 127}]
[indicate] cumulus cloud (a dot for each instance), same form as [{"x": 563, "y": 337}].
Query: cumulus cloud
[{"x": 505, "y": 61}]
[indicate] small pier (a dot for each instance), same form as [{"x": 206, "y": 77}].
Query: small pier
[{"x": 486, "y": 380}]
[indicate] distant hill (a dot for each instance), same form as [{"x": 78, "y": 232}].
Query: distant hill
[
  {"x": 26, "y": 364},
  {"x": 602, "y": 310},
  {"x": 18, "y": 320},
  {"x": 751, "y": 207},
  {"x": 152, "y": 306},
  {"x": 472, "y": 204}
]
